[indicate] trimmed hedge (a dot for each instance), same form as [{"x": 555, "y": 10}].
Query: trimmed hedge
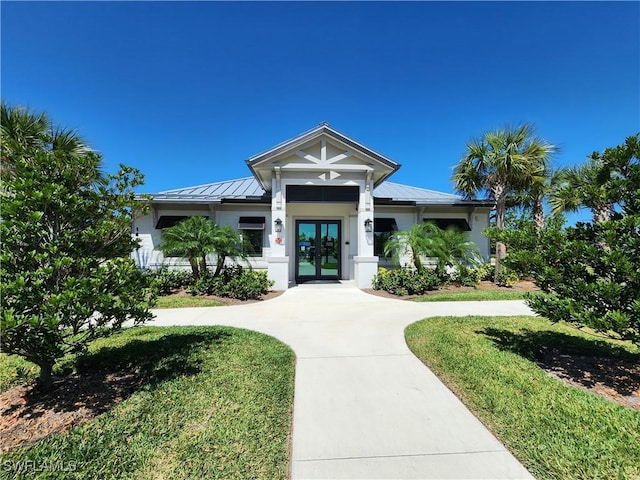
[
  {"x": 233, "y": 282},
  {"x": 405, "y": 281}
]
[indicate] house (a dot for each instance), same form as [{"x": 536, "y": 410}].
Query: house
[{"x": 318, "y": 206}]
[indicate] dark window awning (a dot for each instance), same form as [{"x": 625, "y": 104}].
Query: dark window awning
[
  {"x": 444, "y": 223},
  {"x": 322, "y": 193},
  {"x": 384, "y": 225},
  {"x": 251, "y": 223},
  {"x": 166, "y": 221}
]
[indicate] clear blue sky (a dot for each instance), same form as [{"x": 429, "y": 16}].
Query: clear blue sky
[{"x": 187, "y": 91}]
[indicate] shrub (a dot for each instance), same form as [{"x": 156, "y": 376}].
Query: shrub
[
  {"x": 486, "y": 272},
  {"x": 405, "y": 281},
  {"x": 233, "y": 282},
  {"x": 467, "y": 276},
  {"x": 165, "y": 281},
  {"x": 506, "y": 278},
  {"x": 590, "y": 272}
]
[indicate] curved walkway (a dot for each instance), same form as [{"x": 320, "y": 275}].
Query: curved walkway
[{"x": 365, "y": 407}]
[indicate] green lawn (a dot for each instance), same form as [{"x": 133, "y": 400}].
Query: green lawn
[
  {"x": 216, "y": 403},
  {"x": 469, "y": 295},
  {"x": 557, "y": 431},
  {"x": 183, "y": 301}
]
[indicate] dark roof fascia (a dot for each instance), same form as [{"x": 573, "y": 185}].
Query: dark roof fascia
[
  {"x": 461, "y": 203},
  {"x": 391, "y": 201},
  {"x": 253, "y": 201},
  {"x": 469, "y": 203}
]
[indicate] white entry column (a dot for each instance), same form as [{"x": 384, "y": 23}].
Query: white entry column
[
  {"x": 278, "y": 262},
  {"x": 365, "y": 263}
]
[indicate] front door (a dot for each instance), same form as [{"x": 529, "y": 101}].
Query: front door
[{"x": 318, "y": 256}]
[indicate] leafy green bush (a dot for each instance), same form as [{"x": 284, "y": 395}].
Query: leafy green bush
[
  {"x": 233, "y": 282},
  {"x": 506, "y": 278},
  {"x": 590, "y": 272},
  {"x": 165, "y": 281},
  {"x": 468, "y": 276},
  {"x": 486, "y": 272},
  {"x": 406, "y": 281}
]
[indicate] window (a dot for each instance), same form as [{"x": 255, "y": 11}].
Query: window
[
  {"x": 252, "y": 232},
  {"x": 166, "y": 221},
  {"x": 252, "y": 243},
  {"x": 383, "y": 228},
  {"x": 443, "y": 223}
]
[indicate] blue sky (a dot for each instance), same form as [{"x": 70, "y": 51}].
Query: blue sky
[{"x": 187, "y": 91}]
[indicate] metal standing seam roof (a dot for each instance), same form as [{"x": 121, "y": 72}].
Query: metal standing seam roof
[{"x": 248, "y": 187}]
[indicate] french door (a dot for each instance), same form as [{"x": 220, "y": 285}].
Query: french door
[{"x": 318, "y": 250}]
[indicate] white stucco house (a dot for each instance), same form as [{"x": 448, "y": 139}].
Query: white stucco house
[{"x": 316, "y": 207}]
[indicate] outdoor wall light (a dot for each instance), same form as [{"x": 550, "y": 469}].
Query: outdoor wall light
[
  {"x": 278, "y": 223},
  {"x": 368, "y": 225}
]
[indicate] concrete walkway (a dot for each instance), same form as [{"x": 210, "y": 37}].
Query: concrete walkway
[{"x": 365, "y": 407}]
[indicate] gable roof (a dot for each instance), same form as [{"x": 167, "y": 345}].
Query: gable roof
[
  {"x": 249, "y": 190},
  {"x": 261, "y": 165}
]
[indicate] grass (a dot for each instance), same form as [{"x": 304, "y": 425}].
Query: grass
[
  {"x": 470, "y": 295},
  {"x": 216, "y": 403},
  {"x": 556, "y": 430},
  {"x": 184, "y": 301}
]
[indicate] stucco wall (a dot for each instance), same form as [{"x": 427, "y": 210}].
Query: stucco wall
[{"x": 149, "y": 257}]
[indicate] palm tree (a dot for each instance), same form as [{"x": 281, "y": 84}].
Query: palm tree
[
  {"x": 193, "y": 239},
  {"x": 582, "y": 186},
  {"x": 458, "y": 250},
  {"x": 501, "y": 163},
  {"x": 532, "y": 199},
  {"x": 23, "y": 130},
  {"x": 25, "y": 133},
  {"x": 420, "y": 241},
  {"x": 449, "y": 247},
  {"x": 196, "y": 237},
  {"x": 227, "y": 243}
]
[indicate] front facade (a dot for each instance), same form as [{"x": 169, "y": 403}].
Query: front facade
[{"x": 318, "y": 207}]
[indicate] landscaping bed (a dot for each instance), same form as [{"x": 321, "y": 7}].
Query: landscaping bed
[
  {"x": 485, "y": 290},
  {"x": 183, "y": 299}
]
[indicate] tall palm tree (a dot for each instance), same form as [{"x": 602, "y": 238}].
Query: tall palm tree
[
  {"x": 532, "y": 199},
  {"x": 582, "y": 186},
  {"x": 24, "y": 133},
  {"x": 24, "y": 130},
  {"x": 499, "y": 164}
]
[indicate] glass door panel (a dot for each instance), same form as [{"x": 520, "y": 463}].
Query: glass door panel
[
  {"x": 329, "y": 255},
  {"x": 306, "y": 262}
]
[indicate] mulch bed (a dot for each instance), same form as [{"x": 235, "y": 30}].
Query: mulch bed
[
  {"x": 522, "y": 286},
  {"x": 230, "y": 301},
  {"x": 27, "y": 415},
  {"x": 615, "y": 379}
]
